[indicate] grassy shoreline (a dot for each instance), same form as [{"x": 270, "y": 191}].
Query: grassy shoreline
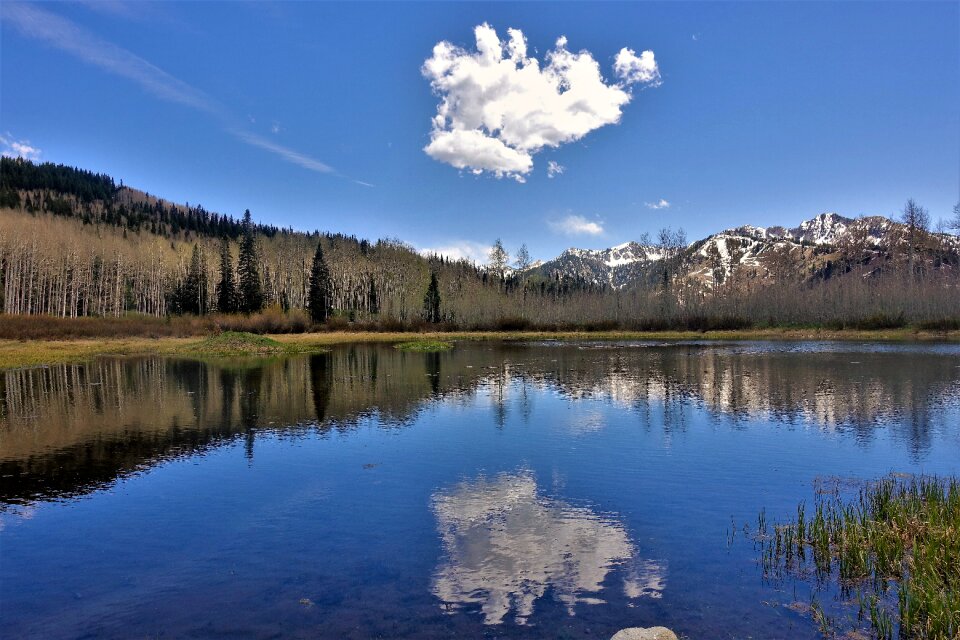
[{"x": 21, "y": 353}]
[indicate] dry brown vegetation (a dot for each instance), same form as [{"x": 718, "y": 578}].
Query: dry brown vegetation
[{"x": 23, "y": 353}]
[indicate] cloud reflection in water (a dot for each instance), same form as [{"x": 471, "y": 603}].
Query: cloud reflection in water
[{"x": 505, "y": 545}]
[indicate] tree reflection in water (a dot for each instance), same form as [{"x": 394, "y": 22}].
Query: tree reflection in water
[{"x": 69, "y": 429}]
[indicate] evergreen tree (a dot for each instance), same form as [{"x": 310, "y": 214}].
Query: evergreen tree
[
  {"x": 250, "y": 294},
  {"x": 318, "y": 300},
  {"x": 373, "y": 300},
  {"x": 431, "y": 301},
  {"x": 226, "y": 288},
  {"x": 194, "y": 293}
]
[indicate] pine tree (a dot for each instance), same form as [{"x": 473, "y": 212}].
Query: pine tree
[
  {"x": 250, "y": 298},
  {"x": 194, "y": 293},
  {"x": 373, "y": 300},
  {"x": 318, "y": 300},
  {"x": 226, "y": 288},
  {"x": 431, "y": 301}
]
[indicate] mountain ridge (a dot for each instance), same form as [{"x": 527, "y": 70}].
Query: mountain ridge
[{"x": 746, "y": 246}]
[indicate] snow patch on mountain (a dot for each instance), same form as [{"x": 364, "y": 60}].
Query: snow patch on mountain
[{"x": 763, "y": 250}]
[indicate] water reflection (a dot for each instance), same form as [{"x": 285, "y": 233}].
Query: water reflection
[
  {"x": 69, "y": 429},
  {"x": 506, "y": 545}
]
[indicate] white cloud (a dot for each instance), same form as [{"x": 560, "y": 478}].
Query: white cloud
[
  {"x": 499, "y": 106},
  {"x": 476, "y": 252},
  {"x": 574, "y": 225},
  {"x": 637, "y": 70},
  {"x": 275, "y": 127},
  {"x": 660, "y": 204},
  {"x": 477, "y": 152},
  {"x": 554, "y": 169},
  {"x": 12, "y": 148}
]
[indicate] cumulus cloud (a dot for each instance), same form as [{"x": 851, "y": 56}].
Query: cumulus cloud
[
  {"x": 634, "y": 69},
  {"x": 499, "y": 106},
  {"x": 574, "y": 225},
  {"x": 659, "y": 204},
  {"x": 476, "y": 252},
  {"x": 12, "y": 148},
  {"x": 554, "y": 169},
  {"x": 475, "y": 151}
]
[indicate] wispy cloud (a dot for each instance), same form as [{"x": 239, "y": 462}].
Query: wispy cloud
[
  {"x": 63, "y": 34},
  {"x": 574, "y": 225},
  {"x": 136, "y": 11},
  {"x": 284, "y": 152},
  {"x": 660, "y": 204},
  {"x": 13, "y": 148},
  {"x": 554, "y": 169}
]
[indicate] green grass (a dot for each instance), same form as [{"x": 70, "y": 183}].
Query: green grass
[
  {"x": 892, "y": 552},
  {"x": 238, "y": 343},
  {"x": 425, "y": 346}
]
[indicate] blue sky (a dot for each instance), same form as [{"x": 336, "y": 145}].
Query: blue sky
[{"x": 317, "y": 115}]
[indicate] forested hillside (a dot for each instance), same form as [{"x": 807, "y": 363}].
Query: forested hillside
[{"x": 75, "y": 243}]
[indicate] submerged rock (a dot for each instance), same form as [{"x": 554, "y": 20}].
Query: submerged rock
[{"x": 641, "y": 633}]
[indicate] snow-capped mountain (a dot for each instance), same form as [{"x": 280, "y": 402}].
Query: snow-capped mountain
[
  {"x": 616, "y": 266},
  {"x": 765, "y": 251}
]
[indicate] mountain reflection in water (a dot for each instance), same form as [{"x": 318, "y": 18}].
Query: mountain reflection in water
[
  {"x": 68, "y": 429},
  {"x": 506, "y": 545}
]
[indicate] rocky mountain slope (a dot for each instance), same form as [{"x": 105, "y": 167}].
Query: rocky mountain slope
[{"x": 807, "y": 250}]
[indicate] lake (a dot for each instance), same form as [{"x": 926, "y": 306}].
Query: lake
[{"x": 513, "y": 490}]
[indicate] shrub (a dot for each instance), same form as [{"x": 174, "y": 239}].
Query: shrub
[{"x": 940, "y": 324}]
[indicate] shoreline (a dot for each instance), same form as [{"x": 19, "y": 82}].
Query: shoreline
[{"x": 25, "y": 353}]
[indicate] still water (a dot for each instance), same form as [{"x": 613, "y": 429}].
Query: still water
[{"x": 495, "y": 490}]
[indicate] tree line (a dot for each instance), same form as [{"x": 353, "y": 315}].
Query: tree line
[{"x": 83, "y": 257}]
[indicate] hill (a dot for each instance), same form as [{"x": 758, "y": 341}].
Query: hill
[{"x": 75, "y": 243}]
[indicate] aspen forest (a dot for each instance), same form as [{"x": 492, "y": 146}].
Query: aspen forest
[{"x": 77, "y": 244}]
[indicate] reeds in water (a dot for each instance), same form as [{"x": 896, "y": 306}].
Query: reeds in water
[{"x": 893, "y": 550}]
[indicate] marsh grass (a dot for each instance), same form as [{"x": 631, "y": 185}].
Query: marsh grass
[
  {"x": 425, "y": 346},
  {"x": 239, "y": 343},
  {"x": 892, "y": 551}
]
